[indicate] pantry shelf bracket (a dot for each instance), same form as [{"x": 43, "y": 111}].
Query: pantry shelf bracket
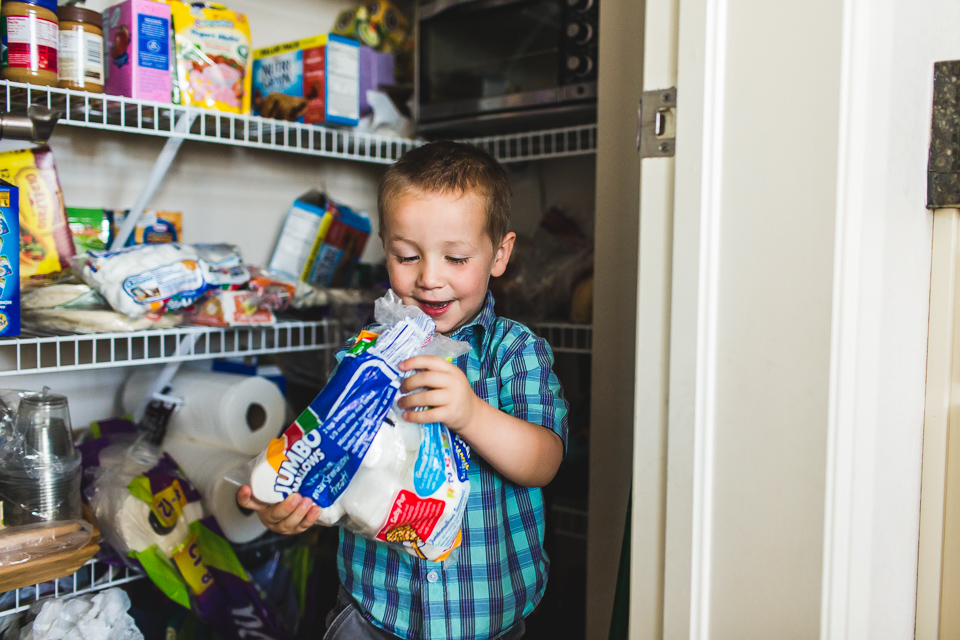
[
  {"x": 165, "y": 377},
  {"x": 159, "y": 172}
]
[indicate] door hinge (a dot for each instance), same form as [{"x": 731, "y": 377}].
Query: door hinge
[{"x": 656, "y": 123}]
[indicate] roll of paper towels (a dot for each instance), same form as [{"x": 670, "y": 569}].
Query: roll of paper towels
[
  {"x": 125, "y": 522},
  {"x": 232, "y": 412},
  {"x": 206, "y": 468}
]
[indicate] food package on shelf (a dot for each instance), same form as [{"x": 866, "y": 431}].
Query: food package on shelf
[
  {"x": 378, "y": 24},
  {"x": 213, "y": 56},
  {"x": 321, "y": 241},
  {"x": 323, "y": 79},
  {"x": 153, "y": 278},
  {"x": 46, "y": 245},
  {"x": 153, "y": 517},
  {"x": 137, "y": 49},
  {"x": 9, "y": 260},
  {"x": 90, "y": 229},
  {"x": 77, "y": 308},
  {"x": 153, "y": 227},
  {"x": 231, "y": 309},
  {"x": 352, "y": 453}
]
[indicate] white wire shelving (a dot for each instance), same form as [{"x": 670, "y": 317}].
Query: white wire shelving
[
  {"x": 93, "y": 576},
  {"x": 43, "y": 354},
  {"x": 116, "y": 113},
  {"x": 566, "y": 337}
]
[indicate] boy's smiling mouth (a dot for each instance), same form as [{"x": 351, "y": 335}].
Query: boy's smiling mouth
[{"x": 434, "y": 309}]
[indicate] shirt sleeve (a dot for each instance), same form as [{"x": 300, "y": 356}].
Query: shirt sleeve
[{"x": 530, "y": 390}]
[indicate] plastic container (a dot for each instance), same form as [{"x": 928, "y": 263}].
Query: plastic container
[
  {"x": 81, "y": 49},
  {"x": 31, "y": 37}
]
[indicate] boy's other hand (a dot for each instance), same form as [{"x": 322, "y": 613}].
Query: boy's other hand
[
  {"x": 446, "y": 392},
  {"x": 296, "y": 514}
]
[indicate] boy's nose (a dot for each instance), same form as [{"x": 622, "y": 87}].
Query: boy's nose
[{"x": 431, "y": 276}]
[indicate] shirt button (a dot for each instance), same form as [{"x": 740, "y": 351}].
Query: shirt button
[{"x": 433, "y": 576}]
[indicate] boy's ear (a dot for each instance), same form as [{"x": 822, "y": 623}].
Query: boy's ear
[{"x": 503, "y": 255}]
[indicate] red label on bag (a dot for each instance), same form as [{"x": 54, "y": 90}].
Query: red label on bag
[{"x": 412, "y": 518}]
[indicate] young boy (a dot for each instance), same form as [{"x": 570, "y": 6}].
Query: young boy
[{"x": 444, "y": 210}]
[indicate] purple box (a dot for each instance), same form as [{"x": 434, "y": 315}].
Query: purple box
[
  {"x": 137, "y": 47},
  {"x": 376, "y": 69}
]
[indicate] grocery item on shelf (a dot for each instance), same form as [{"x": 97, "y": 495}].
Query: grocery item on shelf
[
  {"x": 153, "y": 517},
  {"x": 90, "y": 229},
  {"x": 99, "y": 615},
  {"x": 30, "y": 42},
  {"x": 46, "y": 245},
  {"x": 40, "y": 471},
  {"x": 81, "y": 49},
  {"x": 234, "y": 412},
  {"x": 138, "y": 50},
  {"x": 213, "y": 61},
  {"x": 321, "y": 241},
  {"x": 378, "y": 24},
  {"x": 352, "y": 453},
  {"x": 9, "y": 259},
  {"x": 154, "y": 278},
  {"x": 30, "y": 542},
  {"x": 323, "y": 79},
  {"x": 153, "y": 226},
  {"x": 207, "y": 468},
  {"x": 77, "y": 308},
  {"x": 231, "y": 309}
]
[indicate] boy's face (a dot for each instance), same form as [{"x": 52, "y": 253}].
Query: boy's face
[{"x": 440, "y": 257}]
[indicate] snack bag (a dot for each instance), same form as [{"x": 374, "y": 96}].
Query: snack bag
[
  {"x": 214, "y": 60},
  {"x": 352, "y": 453},
  {"x": 154, "y": 278},
  {"x": 46, "y": 244}
]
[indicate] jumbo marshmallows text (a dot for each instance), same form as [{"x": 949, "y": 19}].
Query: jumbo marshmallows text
[{"x": 352, "y": 453}]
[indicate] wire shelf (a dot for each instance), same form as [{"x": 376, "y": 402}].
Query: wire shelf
[
  {"x": 93, "y": 576},
  {"x": 116, "y": 113},
  {"x": 566, "y": 337},
  {"x": 43, "y": 354}
]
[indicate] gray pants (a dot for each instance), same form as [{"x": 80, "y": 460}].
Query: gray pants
[{"x": 345, "y": 622}]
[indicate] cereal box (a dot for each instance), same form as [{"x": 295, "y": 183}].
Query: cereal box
[
  {"x": 46, "y": 245},
  {"x": 9, "y": 261},
  {"x": 316, "y": 80},
  {"x": 138, "y": 50}
]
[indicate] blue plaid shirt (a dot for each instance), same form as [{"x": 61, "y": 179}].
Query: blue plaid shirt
[{"x": 499, "y": 574}]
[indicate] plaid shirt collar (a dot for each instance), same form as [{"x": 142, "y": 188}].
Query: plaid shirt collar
[{"x": 478, "y": 331}]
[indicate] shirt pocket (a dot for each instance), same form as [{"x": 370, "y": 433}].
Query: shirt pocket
[{"x": 488, "y": 390}]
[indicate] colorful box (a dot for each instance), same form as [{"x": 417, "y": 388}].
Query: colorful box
[
  {"x": 316, "y": 80},
  {"x": 9, "y": 259},
  {"x": 321, "y": 241},
  {"x": 153, "y": 227},
  {"x": 137, "y": 45},
  {"x": 90, "y": 229}
]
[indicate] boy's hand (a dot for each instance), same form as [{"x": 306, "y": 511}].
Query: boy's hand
[
  {"x": 448, "y": 395},
  {"x": 296, "y": 514}
]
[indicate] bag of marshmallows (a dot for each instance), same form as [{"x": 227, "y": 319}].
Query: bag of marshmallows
[{"x": 353, "y": 454}]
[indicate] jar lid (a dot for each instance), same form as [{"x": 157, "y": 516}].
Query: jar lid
[
  {"x": 49, "y": 5},
  {"x": 79, "y": 14}
]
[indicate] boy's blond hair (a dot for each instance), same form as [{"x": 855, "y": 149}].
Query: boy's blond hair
[{"x": 448, "y": 167}]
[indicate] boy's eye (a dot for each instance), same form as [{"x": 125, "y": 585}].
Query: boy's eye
[
  {"x": 457, "y": 260},
  {"x": 406, "y": 259}
]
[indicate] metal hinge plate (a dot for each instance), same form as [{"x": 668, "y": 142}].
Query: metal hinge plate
[{"x": 656, "y": 123}]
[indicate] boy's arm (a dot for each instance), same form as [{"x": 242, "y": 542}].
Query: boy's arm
[{"x": 525, "y": 453}]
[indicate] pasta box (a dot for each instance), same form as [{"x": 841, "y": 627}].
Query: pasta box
[{"x": 9, "y": 259}]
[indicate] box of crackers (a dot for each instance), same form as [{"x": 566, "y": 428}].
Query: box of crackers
[{"x": 9, "y": 259}]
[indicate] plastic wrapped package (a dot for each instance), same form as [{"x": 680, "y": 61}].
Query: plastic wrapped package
[
  {"x": 353, "y": 455},
  {"x": 152, "y": 516},
  {"x": 102, "y": 615},
  {"x": 30, "y": 542},
  {"x": 154, "y": 278},
  {"x": 77, "y": 308}
]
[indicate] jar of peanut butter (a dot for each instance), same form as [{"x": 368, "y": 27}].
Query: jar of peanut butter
[
  {"x": 81, "y": 49},
  {"x": 31, "y": 36}
]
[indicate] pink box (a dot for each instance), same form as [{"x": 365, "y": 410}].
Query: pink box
[{"x": 137, "y": 43}]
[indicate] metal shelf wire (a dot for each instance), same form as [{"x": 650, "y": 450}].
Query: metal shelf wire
[
  {"x": 116, "y": 113},
  {"x": 93, "y": 576},
  {"x": 52, "y": 353},
  {"x": 566, "y": 337}
]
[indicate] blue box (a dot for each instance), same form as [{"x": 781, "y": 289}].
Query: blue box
[{"x": 9, "y": 259}]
